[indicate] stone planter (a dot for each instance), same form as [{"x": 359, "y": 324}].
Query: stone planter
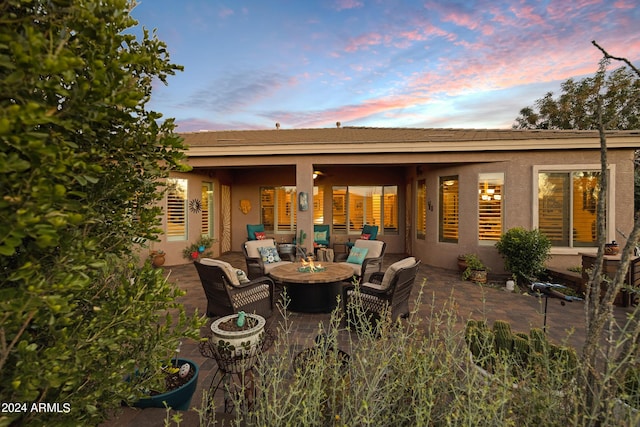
[{"x": 237, "y": 350}]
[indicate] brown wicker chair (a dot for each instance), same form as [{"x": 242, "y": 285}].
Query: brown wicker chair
[
  {"x": 373, "y": 259},
  {"x": 226, "y": 295},
  {"x": 388, "y": 290}
]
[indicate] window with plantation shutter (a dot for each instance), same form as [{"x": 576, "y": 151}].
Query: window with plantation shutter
[
  {"x": 421, "y": 210},
  {"x": 449, "y": 209},
  {"x": 177, "y": 209},
  {"x": 207, "y": 209},
  {"x": 355, "y": 206},
  {"x": 567, "y": 207},
  {"x": 490, "y": 202},
  {"x": 318, "y": 205},
  {"x": 278, "y": 208}
]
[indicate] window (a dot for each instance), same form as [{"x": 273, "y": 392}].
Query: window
[
  {"x": 318, "y": 205},
  {"x": 278, "y": 208},
  {"x": 421, "y": 210},
  {"x": 449, "y": 209},
  {"x": 207, "y": 209},
  {"x": 358, "y": 205},
  {"x": 176, "y": 209},
  {"x": 490, "y": 202},
  {"x": 567, "y": 206}
]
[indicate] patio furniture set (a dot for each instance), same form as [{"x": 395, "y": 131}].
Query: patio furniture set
[{"x": 310, "y": 287}]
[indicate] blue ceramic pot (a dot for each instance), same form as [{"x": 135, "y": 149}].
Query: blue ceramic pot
[{"x": 178, "y": 399}]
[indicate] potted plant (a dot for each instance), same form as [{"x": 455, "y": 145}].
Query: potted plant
[
  {"x": 180, "y": 378},
  {"x": 475, "y": 271},
  {"x": 235, "y": 341},
  {"x": 525, "y": 252},
  {"x": 462, "y": 262},
  {"x": 157, "y": 258},
  {"x": 198, "y": 249}
]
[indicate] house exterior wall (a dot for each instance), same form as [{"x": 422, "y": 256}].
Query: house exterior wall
[{"x": 245, "y": 173}]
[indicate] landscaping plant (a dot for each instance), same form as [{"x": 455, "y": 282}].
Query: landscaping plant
[
  {"x": 81, "y": 166},
  {"x": 525, "y": 252}
]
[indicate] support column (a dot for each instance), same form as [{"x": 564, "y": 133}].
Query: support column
[{"x": 304, "y": 184}]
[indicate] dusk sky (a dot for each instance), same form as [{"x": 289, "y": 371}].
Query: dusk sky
[{"x": 377, "y": 63}]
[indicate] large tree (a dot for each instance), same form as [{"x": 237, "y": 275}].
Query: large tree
[
  {"x": 80, "y": 162},
  {"x": 576, "y": 106}
]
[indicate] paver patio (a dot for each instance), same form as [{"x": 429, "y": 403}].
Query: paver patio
[{"x": 441, "y": 286}]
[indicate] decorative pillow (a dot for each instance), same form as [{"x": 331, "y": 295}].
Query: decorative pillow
[
  {"x": 320, "y": 236},
  {"x": 242, "y": 276},
  {"x": 269, "y": 254},
  {"x": 365, "y": 236},
  {"x": 260, "y": 235},
  {"x": 357, "y": 255}
]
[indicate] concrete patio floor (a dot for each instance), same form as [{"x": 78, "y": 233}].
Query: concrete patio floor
[{"x": 565, "y": 323}]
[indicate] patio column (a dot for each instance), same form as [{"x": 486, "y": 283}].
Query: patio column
[{"x": 304, "y": 184}]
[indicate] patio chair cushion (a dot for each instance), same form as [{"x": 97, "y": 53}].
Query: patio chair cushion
[
  {"x": 225, "y": 266},
  {"x": 269, "y": 254},
  {"x": 253, "y": 245},
  {"x": 357, "y": 255},
  {"x": 320, "y": 236},
  {"x": 252, "y": 229},
  {"x": 391, "y": 272},
  {"x": 270, "y": 266},
  {"x": 374, "y": 247}
]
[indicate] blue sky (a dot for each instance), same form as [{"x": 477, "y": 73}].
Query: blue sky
[{"x": 379, "y": 63}]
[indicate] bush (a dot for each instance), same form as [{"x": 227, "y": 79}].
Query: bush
[
  {"x": 81, "y": 162},
  {"x": 525, "y": 252}
]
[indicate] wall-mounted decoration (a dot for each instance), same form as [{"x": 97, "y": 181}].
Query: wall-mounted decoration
[
  {"x": 195, "y": 206},
  {"x": 303, "y": 201},
  {"x": 245, "y": 206}
]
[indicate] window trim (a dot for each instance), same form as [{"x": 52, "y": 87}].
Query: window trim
[
  {"x": 185, "y": 211},
  {"x": 442, "y": 180},
  {"x": 489, "y": 176},
  {"x": 581, "y": 167}
]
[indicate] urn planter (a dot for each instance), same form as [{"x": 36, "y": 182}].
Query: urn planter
[{"x": 236, "y": 348}]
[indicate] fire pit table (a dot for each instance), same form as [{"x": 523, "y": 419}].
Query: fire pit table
[{"x": 312, "y": 291}]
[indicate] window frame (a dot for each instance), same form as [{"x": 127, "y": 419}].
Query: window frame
[
  {"x": 183, "y": 183},
  {"x": 421, "y": 209},
  {"x": 483, "y": 177},
  {"x": 207, "y": 206},
  {"x": 344, "y": 202},
  {"x": 441, "y": 202},
  {"x": 569, "y": 168}
]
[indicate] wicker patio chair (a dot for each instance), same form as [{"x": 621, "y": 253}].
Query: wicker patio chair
[
  {"x": 373, "y": 258},
  {"x": 226, "y": 295},
  {"x": 259, "y": 262},
  {"x": 390, "y": 289}
]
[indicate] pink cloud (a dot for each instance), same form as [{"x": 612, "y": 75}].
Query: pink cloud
[
  {"x": 225, "y": 12},
  {"x": 364, "y": 41},
  {"x": 347, "y": 4}
]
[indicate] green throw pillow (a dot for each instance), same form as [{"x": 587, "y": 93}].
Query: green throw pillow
[
  {"x": 269, "y": 254},
  {"x": 357, "y": 255}
]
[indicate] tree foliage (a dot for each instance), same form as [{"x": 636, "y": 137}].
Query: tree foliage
[
  {"x": 577, "y": 105},
  {"x": 80, "y": 161}
]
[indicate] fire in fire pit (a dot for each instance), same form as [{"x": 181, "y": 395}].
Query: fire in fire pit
[{"x": 308, "y": 266}]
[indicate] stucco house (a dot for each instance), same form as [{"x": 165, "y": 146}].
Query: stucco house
[{"x": 434, "y": 193}]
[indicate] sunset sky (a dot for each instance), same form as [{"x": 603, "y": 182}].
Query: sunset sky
[{"x": 378, "y": 63}]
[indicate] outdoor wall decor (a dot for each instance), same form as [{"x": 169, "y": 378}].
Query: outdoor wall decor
[
  {"x": 195, "y": 206},
  {"x": 245, "y": 206},
  {"x": 303, "y": 201}
]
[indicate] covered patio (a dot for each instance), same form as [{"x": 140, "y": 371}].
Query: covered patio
[{"x": 442, "y": 288}]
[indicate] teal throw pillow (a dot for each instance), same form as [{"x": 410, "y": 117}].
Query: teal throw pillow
[
  {"x": 269, "y": 254},
  {"x": 357, "y": 255}
]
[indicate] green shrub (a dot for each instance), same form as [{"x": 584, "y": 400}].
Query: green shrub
[{"x": 525, "y": 252}]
